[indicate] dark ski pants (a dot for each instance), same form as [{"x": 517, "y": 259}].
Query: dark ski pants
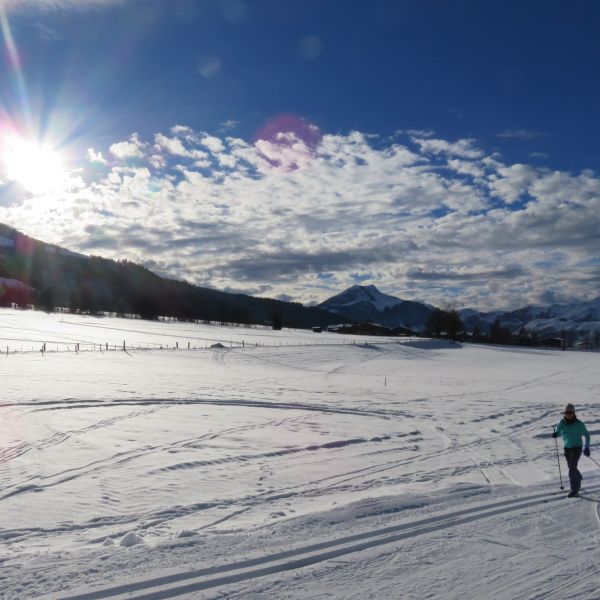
[{"x": 573, "y": 455}]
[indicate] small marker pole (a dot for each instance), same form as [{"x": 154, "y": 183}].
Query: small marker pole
[{"x": 558, "y": 461}]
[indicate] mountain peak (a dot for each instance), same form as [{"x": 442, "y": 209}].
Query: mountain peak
[
  {"x": 363, "y": 293},
  {"x": 370, "y": 288},
  {"x": 366, "y": 303}
]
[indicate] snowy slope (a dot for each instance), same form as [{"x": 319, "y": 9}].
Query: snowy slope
[
  {"x": 358, "y": 294},
  {"x": 578, "y": 313},
  {"x": 368, "y": 304},
  {"x": 289, "y": 469},
  {"x": 579, "y": 317}
]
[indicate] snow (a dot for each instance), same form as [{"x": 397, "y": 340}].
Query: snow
[
  {"x": 561, "y": 324},
  {"x": 583, "y": 317},
  {"x": 358, "y": 294},
  {"x": 130, "y": 539},
  {"x": 304, "y": 466}
]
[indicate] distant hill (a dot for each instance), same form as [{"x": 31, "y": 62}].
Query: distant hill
[
  {"x": 579, "y": 317},
  {"x": 368, "y": 304},
  {"x": 33, "y": 272}
]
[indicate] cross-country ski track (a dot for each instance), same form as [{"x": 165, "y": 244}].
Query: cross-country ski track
[{"x": 304, "y": 556}]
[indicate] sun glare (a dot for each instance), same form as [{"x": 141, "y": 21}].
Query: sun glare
[{"x": 37, "y": 167}]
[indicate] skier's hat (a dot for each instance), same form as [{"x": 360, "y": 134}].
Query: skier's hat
[{"x": 570, "y": 408}]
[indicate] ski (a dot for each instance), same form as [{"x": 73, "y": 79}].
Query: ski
[{"x": 588, "y": 498}]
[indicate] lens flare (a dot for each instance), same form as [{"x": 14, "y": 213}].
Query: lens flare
[
  {"x": 288, "y": 142},
  {"x": 37, "y": 167}
]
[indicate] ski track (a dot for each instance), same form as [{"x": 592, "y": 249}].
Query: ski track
[
  {"x": 333, "y": 481},
  {"x": 304, "y": 556},
  {"x": 62, "y": 436},
  {"x": 121, "y": 458},
  {"x": 245, "y": 403}
]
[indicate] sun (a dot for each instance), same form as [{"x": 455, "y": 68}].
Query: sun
[{"x": 37, "y": 167}]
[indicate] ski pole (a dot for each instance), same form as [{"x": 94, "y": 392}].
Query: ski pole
[
  {"x": 558, "y": 461},
  {"x": 594, "y": 461}
]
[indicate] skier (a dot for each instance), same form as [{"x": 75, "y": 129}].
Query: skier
[{"x": 572, "y": 430}]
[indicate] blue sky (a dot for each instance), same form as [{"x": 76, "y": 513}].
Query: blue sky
[{"x": 441, "y": 150}]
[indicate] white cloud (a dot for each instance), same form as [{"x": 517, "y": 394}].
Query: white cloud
[
  {"x": 229, "y": 125},
  {"x": 173, "y": 146},
  {"x": 182, "y": 130},
  {"x": 128, "y": 149},
  {"x": 95, "y": 157},
  {"x": 227, "y": 160},
  {"x": 416, "y": 133},
  {"x": 511, "y": 183},
  {"x": 158, "y": 161},
  {"x": 464, "y": 148},
  {"x": 286, "y": 152},
  {"x": 214, "y": 144},
  {"x": 429, "y": 224},
  {"x": 520, "y": 134},
  {"x": 464, "y": 167},
  {"x": 202, "y": 164}
]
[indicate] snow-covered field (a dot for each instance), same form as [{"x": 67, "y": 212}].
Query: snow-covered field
[{"x": 287, "y": 469}]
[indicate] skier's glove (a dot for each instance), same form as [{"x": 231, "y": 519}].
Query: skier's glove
[
  {"x": 555, "y": 434},
  {"x": 586, "y": 451}
]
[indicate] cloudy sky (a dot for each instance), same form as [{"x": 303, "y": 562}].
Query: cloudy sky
[{"x": 441, "y": 150}]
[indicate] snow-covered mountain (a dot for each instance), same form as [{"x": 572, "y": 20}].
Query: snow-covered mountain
[
  {"x": 579, "y": 317},
  {"x": 367, "y": 303}
]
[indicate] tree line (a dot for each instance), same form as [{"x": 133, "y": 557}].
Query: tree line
[
  {"x": 446, "y": 323},
  {"x": 93, "y": 285}
]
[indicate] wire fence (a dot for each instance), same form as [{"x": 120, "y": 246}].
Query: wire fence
[{"x": 54, "y": 347}]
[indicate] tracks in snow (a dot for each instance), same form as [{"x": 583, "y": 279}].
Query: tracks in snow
[{"x": 187, "y": 582}]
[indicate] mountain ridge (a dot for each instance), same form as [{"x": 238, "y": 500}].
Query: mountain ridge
[
  {"x": 32, "y": 271},
  {"x": 367, "y": 303},
  {"x": 49, "y": 276},
  {"x": 573, "y": 316}
]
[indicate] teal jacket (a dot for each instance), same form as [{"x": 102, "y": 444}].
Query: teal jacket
[{"x": 572, "y": 432}]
